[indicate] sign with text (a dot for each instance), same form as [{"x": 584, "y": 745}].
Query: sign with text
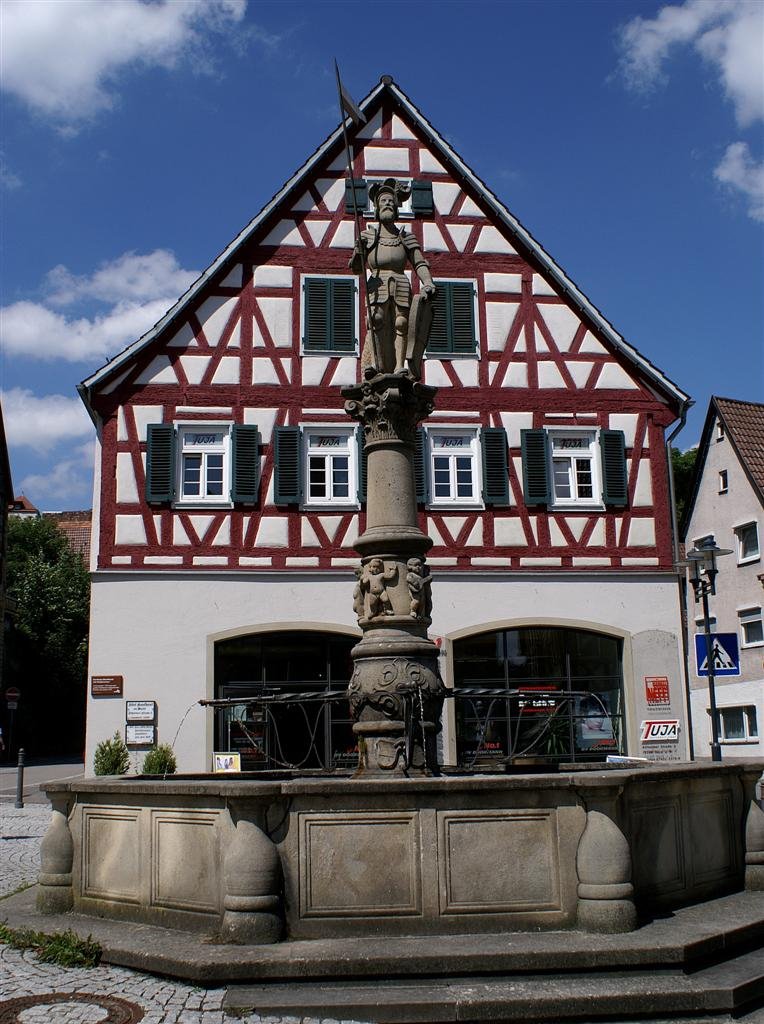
[
  {"x": 665, "y": 730},
  {"x": 657, "y": 690},
  {"x": 106, "y": 686},
  {"x": 140, "y": 735},
  {"x": 140, "y": 711}
]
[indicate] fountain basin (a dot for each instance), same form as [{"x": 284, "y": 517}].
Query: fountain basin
[{"x": 255, "y": 859}]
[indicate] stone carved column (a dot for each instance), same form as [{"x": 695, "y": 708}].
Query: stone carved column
[
  {"x": 252, "y": 876},
  {"x": 54, "y": 894},
  {"x": 396, "y": 693},
  {"x": 605, "y": 890},
  {"x": 754, "y": 841}
]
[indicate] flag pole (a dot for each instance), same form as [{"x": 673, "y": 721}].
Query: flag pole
[{"x": 356, "y": 215}]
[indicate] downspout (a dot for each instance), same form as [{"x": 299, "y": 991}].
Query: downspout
[{"x": 681, "y": 578}]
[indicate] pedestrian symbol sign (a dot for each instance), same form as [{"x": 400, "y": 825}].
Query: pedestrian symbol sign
[{"x": 725, "y": 653}]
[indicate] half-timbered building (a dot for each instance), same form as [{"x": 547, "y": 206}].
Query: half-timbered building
[{"x": 230, "y": 483}]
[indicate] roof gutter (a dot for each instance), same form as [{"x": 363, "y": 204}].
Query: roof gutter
[{"x": 681, "y": 579}]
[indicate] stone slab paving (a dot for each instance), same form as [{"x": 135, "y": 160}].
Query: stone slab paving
[{"x": 132, "y": 996}]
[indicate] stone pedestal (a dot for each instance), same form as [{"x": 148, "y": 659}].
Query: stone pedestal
[
  {"x": 603, "y": 864},
  {"x": 252, "y": 876},
  {"x": 396, "y": 693},
  {"x": 54, "y": 893}
]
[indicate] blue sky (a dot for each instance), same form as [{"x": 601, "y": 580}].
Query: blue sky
[{"x": 139, "y": 138}]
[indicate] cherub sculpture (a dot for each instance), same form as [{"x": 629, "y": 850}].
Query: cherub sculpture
[
  {"x": 419, "y": 587},
  {"x": 373, "y": 583}
]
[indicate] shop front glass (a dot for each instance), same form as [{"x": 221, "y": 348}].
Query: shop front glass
[
  {"x": 560, "y": 699},
  {"x": 304, "y": 735}
]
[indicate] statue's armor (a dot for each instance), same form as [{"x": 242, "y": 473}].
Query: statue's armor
[{"x": 386, "y": 259}]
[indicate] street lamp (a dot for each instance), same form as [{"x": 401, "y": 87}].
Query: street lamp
[{"x": 702, "y": 559}]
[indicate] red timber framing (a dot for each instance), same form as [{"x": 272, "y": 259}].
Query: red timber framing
[{"x": 231, "y": 352}]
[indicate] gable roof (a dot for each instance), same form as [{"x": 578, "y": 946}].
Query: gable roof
[
  {"x": 743, "y": 424},
  {"x": 387, "y": 88}
]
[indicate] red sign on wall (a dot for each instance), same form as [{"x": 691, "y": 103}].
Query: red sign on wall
[{"x": 657, "y": 690}]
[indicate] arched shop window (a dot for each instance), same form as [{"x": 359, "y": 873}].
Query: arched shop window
[
  {"x": 561, "y": 699},
  {"x": 272, "y": 735}
]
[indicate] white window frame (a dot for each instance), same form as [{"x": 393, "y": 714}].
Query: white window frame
[
  {"x": 475, "y": 319},
  {"x": 749, "y": 616},
  {"x": 405, "y": 210},
  {"x": 747, "y": 559},
  {"x": 475, "y": 454},
  {"x": 750, "y": 724},
  {"x": 719, "y": 430},
  {"x": 314, "y": 430},
  {"x": 203, "y": 428},
  {"x": 315, "y": 353},
  {"x": 723, "y": 481},
  {"x": 595, "y": 460}
]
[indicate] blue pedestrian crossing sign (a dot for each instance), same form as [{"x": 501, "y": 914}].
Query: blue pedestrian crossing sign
[{"x": 726, "y": 654}]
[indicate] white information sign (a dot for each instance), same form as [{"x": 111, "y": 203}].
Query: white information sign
[
  {"x": 140, "y": 735},
  {"x": 140, "y": 710}
]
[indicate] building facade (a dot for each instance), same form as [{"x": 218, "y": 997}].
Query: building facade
[
  {"x": 230, "y": 485},
  {"x": 728, "y": 502}
]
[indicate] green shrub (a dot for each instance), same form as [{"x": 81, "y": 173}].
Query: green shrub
[
  {"x": 111, "y": 757},
  {"x": 160, "y": 761}
]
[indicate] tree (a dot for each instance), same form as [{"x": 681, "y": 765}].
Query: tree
[
  {"x": 684, "y": 472},
  {"x": 46, "y": 649}
]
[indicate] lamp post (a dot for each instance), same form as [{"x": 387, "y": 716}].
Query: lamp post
[{"x": 702, "y": 559}]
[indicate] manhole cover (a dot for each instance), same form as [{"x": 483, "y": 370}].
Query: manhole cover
[{"x": 92, "y": 1009}]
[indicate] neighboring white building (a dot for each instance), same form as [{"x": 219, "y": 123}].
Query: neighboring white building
[{"x": 728, "y": 502}]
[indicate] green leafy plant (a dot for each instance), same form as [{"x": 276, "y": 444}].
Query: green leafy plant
[
  {"x": 65, "y": 948},
  {"x": 160, "y": 761},
  {"x": 111, "y": 757}
]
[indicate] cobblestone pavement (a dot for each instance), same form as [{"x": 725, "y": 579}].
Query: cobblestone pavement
[{"x": 23, "y": 976}]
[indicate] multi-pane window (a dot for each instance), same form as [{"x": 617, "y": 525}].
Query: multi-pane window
[
  {"x": 454, "y": 474},
  {"x": 747, "y": 537},
  {"x": 738, "y": 724},
  {"x": 574, "y": 468},
  {"x": 330, "y": 466},
  {"x": 751, "y": 627},
  {"x": 203, "y": 464}
]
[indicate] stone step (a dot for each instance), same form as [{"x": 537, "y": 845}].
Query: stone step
[{"x": 715, "y": 993}]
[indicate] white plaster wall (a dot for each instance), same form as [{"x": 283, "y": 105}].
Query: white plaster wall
[
  {"x": 731, "y": 694},
  {"x": 158, "y": 632},
  {"x": 737, "y": 587}
]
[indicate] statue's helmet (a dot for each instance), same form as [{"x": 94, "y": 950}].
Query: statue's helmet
[{"x": 399, "y": 190}]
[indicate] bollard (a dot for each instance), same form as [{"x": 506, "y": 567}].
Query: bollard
[{"x": 20, "y": 779}]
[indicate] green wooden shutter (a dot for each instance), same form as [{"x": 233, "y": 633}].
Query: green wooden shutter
[
  {"x": 316, "y": 314},
  {"x": 160, "y": 463},
  {"x": 287, "y": 464},
  {"x": 421, "y": 198},
  {"x": 245, "y": 463},
  {"x": 495, "y": 466},
  {"x": 363, "y": 459},
  {"x": 453, "y": 327},
  {"x": 614, "y": 479},
  {"x": 361, "y": 195},
  {"x": 535, "y": 458},
  {"x": 462, "y": 318},
  {"x": 342, "y": 315},
  {"x": 441, "y": 326},
  {"x": 420, "y": 468}
]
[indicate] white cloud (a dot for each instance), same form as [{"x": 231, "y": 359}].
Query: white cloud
[
  {"x": 726, "y": 33},
  {"x": 740, "y": 171},
  {"x": 139, "y": 288},
  {"x": 71, "y": 478},
  {"x": 62, "y": 59},
  {"x": 131, "y": 277},
  {"x": 42, "y": 422}
]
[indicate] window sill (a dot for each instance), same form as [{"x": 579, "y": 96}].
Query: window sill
[
  {"x": 454, "y": 505},
  {"x": 576, "y": 507},
  {"x": 740, "y": 743},
  {"x": 181, "y": 506},
  {"x": 751, "y": 560},
  {"x": 329, "y": 506},
  {"x": 452, "y": 355},
  {"x": 333, "y": 352},
  {"x": 753, "y": 646}
]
